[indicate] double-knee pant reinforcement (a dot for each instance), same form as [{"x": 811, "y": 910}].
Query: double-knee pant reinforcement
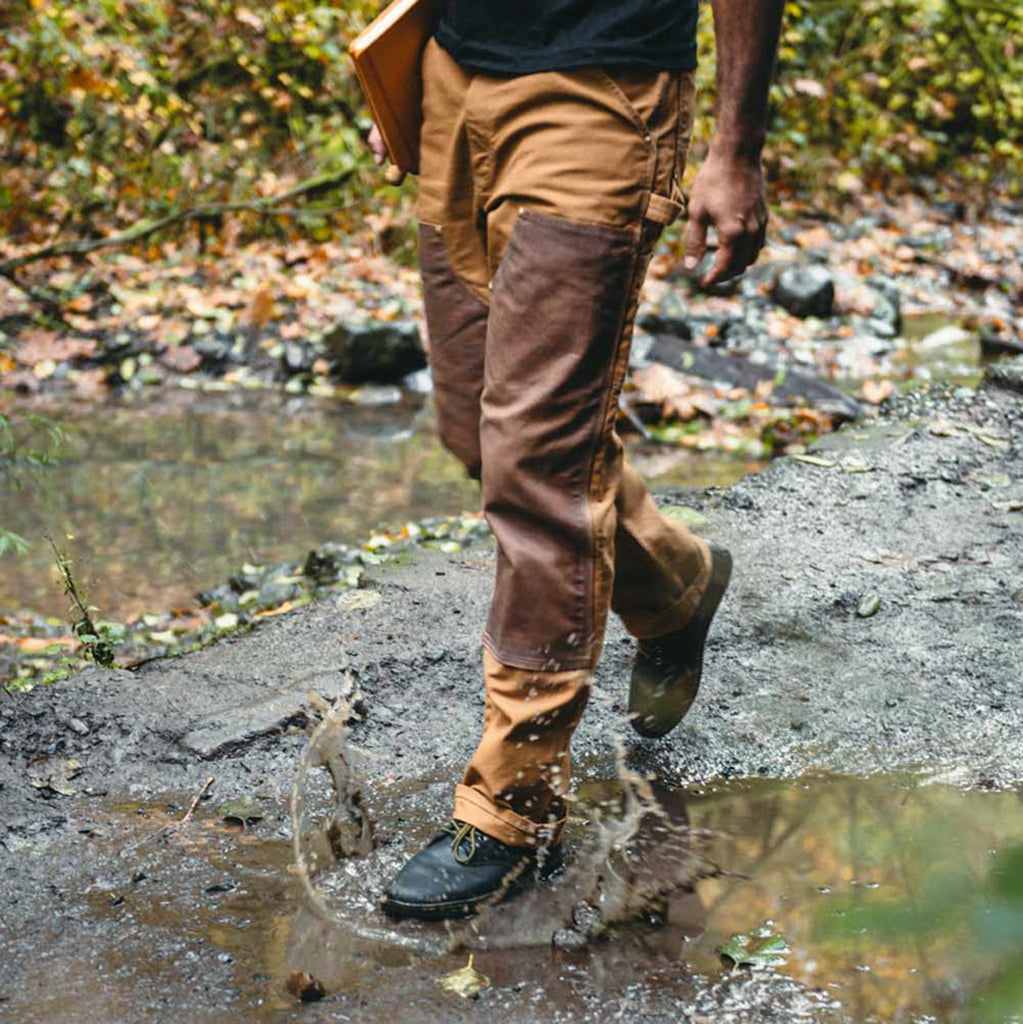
[{"x": 541, "y": 199}]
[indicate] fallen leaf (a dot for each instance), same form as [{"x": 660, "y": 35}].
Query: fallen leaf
[
  {"x": 182, "y": 358},
  {"x": 261, "y": 308},
  {"x": 54, "y": 773},
  {"x": 466, "y": 982},
  {"x": 876, "y": 391},
  {"x": 305, "y": 987},
  {"x": 358, "y": 600},
  {"x": 815, "y": 460},
  {"x": 770, "y": 952},
  {"x": 241, "y": 810},
  {"x": 268, "y": 613},
  {"x": 32, "y": 644}
]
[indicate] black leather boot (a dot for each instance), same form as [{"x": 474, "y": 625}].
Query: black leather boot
[
  {"x": 666, "y": 673},
  {"x": 460, "y": 869}
]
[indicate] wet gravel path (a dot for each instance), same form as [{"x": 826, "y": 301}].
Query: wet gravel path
[{"x": 917, "y": 514}]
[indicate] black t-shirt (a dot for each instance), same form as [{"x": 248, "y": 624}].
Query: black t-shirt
[{"x": 517, "y": 37}]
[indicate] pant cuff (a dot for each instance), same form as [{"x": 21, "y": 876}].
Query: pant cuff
[
  {"x": 503, "y": 823},
  {"x": 674, "y": 616}
]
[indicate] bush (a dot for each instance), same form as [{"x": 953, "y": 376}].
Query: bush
[
  {"x": 894, "y": 88},
  {"x": 117, "y": 110}
]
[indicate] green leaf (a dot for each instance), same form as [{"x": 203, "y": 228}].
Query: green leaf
[
  {"x": 760, "y": 951},
  {"x": 684, "y": 514}
]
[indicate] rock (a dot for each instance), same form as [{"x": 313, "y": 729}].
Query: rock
[
  {"x": 887, "y": 307},
  {"x": 214, "y": 352},
  {"x": 222, "y": 598},
  {"x": 723, "y": 288},
  {"x": 297, "y": 359},
  {"x": 994, "y": 343},
  {"x": 375, "y": 352},
  {"x": 950, "y": 334},
  {"x": 236, "y": 726},
  {"x": 419, "y": 382},
  {"x": 274, "y": 594},
  {"x": 740, "y": 371},
  {"x": 805, "y": 290},
  {"x": 374, "y": 395},
  {"x": 325, "y": 563},
  {"x": 1006, "y": 374}
]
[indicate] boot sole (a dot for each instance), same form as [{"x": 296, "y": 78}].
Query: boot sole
[{"x": 644, "y": 699}]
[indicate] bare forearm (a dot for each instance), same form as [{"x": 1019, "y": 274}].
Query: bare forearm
[{"x": 746, "y": 32}]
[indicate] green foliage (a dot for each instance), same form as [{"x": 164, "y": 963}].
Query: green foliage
[
  {"x": 884, "y": 88},
  {"x": 114, "y": 111},
  {"x": 111, "y": 110}
]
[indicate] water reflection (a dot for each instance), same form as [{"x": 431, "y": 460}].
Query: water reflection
[
  {"x": 167, "y": 498},
  {"x": 165, "y": 501}
]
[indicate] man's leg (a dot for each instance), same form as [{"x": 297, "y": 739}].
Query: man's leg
[
  {"x": 577, "y": 173},
  {"x": 570, "y": 240}
]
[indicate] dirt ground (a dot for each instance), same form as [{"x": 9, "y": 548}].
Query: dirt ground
[{"x": 921, "y": 507}]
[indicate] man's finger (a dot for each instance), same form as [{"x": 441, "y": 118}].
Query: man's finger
[
  {"x": 723, "y": 266},
  {"x": 761, "y": 241},
  {"x": 733, "y": 257},
  {"x": 695, "y": 241},
  {"x": 376, "y": 145}
]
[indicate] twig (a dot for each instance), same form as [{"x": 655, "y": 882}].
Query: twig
[
  {"x": 177, "y": 826},
  {"x": 47, "y": 299},
  {"x": 174, "y": 827}
]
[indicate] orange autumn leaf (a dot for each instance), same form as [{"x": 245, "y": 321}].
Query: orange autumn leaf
[
  {"x": 31, "y": 644},
  {"x": 261, "y": 308},
  {"x": 876, "y": 391}
]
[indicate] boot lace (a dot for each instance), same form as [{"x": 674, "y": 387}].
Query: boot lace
[{"x": 459, "y": 831}]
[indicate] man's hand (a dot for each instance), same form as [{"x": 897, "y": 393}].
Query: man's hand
[
  {"x": 729, "y": 190},
  {"x": 375, "y": 141},
  {"x": 729, "y": 194}
]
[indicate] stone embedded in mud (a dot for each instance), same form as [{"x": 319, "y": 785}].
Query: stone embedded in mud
[
  {"x": 222, "y": 598},
  {"x": 327, "y": 562},
  {"x": 1007, "y": 374},
  {"x": 807, "y": 290},
  {"x": 236, "y": 726},
  {"x": 383, "y": 353}
]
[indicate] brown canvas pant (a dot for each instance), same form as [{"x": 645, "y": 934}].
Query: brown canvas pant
[{"x": 541, "y": 199}]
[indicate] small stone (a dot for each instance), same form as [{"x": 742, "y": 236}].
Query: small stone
[
  {"x": 374, "y": 395},
  {"x": 297, "y": 359},
  {"x": 419, "y": 382},
  {"x": 383, "y": 353},
  {"x": 78, "y": 726},
  {"x": 806, "y": 290},
  {"x": 868, "y": 606}
]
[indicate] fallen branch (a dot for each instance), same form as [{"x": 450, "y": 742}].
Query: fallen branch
[{"x": 314, "y": 186}]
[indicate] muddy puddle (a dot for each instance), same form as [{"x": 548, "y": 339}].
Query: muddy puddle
[{"x": 889, "y": 898}]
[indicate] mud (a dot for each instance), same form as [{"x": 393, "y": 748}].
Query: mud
[{"x": 919, "y": 507}]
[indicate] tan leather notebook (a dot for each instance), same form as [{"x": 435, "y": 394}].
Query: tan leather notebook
[{"x": 387, "y": 56}]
